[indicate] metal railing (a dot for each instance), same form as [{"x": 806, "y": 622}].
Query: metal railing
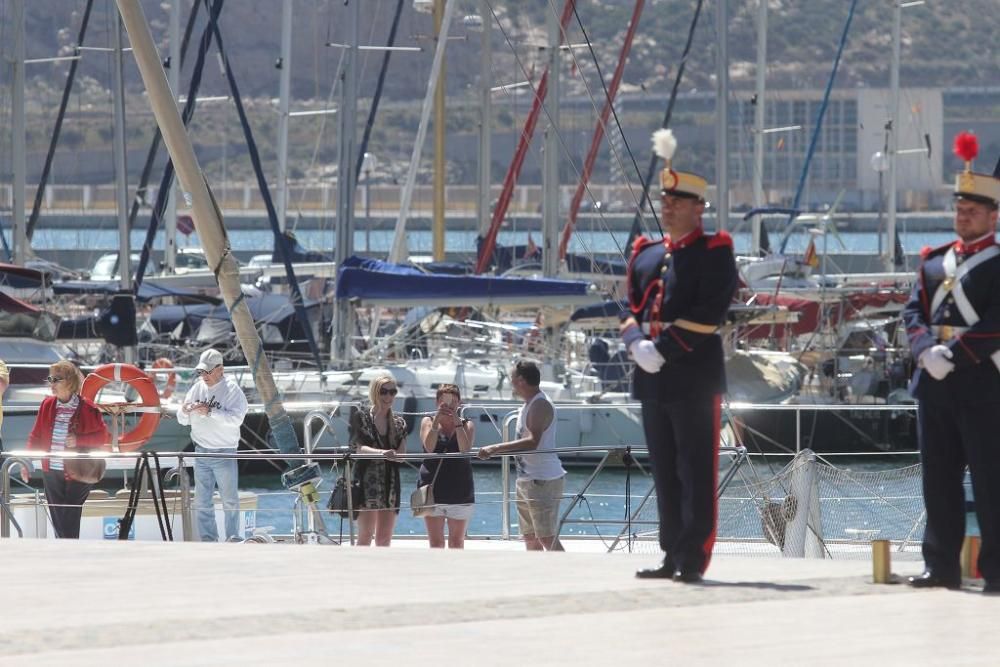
[{"x": 327, "y": 420}]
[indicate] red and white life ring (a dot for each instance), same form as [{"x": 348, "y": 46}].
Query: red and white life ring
[
  {"x": 144, "y": 385},
  {"x": 168, "y": 389}
]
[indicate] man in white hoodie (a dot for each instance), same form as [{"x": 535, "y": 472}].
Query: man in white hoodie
[{"x": 214, "y": 407}]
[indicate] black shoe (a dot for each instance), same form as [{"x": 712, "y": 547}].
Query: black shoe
[
  {"x": 930, "y": 580},
  {"x": 687, "y": 576},
  {"x": 664, "y": 571},
  {"x": 991, "y": 588}
]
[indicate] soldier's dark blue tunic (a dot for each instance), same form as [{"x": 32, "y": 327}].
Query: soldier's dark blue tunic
[
  {"x": 683, "y": 289},
  {"x": 956, "y": 302}
]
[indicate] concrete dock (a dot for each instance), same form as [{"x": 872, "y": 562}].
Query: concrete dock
[{"x": 103, "y": 603}]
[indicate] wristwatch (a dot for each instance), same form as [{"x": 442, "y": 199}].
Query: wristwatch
[{"x": 464, "y": 422}]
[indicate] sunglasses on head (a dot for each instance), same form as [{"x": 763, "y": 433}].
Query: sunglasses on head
[
  {"x": 52, "y": 379},
  {"x": 388, "y": 391}
]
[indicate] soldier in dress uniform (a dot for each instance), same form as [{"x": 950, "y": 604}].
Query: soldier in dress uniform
[
  {"x": 953, "y": 325},
  {"x": 679, "y": 289}
]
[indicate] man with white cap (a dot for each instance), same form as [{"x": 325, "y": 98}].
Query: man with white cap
[
  {"x": 953, "y": 325},
  {"x": 214, "y": 407}
]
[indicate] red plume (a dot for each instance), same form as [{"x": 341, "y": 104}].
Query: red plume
[{"x": 966, "y": 146}]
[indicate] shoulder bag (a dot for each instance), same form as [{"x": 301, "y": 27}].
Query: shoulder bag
[
  {"x": 338, "y": 499},
  {"x": 422, "y": 499},
  {"x": 82, "y": 468}
]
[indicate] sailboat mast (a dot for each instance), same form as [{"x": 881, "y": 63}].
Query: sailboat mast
[
  {"x": 18, "y": 137},
  {"x": 207, "y": 219},
  {"x": 118, "y": 153},
  {"x": 284, "y": 93},
  {"x": 341, "y": 346},
  {"x": 399, "y": 250},
  {"x": 485, "y": 118},
  {"x": 890, "y": 247},
  {"x": 550, "y": 158},
  {"x": 174, "y": 80},
  {"x": 439, "y": 131},
  {"x": 722, "y": 116},
  {"x": 758, "y": 125}
]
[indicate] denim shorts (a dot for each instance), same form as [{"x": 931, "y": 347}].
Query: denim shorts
[{"x": 457, "y": 512}]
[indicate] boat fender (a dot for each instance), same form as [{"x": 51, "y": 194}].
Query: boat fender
[
  {"x": 410, "y": 413},
  {"x": 141, "y": 383},
  {"x": 168, "y": 388}
]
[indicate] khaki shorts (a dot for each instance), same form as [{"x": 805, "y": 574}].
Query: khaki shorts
[{"x": 538, "y": 506}]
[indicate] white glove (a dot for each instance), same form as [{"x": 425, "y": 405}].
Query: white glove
[
  {"x": 646, "y": 355},
  {"x": 935, "y": 361}
]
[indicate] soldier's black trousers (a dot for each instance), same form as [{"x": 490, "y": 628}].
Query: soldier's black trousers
[
  {"x": 683, "y": 442},
  {"x": 954, "y": 434}
]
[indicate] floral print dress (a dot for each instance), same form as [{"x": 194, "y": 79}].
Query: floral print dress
[{"x": 379, "y": 478}]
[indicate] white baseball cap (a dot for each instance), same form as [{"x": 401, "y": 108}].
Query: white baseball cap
[{"x": 209, "y": 359}]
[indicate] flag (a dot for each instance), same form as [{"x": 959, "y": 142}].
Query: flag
[{"x": 810, "y": 257}]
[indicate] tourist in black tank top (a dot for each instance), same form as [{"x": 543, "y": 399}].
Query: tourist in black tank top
[{"x": 454, "y": 493}]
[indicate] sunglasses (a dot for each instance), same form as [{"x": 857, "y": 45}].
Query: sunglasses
[
  {"x": 201, "y": 372},
  {"x": 387, "y": 391},
  {"x": 52, "y": 379}
]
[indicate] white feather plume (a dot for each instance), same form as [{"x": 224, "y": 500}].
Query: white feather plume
[{"x": 664, "y": 144}]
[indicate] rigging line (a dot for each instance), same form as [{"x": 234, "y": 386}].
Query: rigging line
[
  {"x": 544, "y": 109},
  {"x": 651, "y": 170},
  {"x": 488, "y": 244},
  {"x": 322, "y": 126},
  {"x": 167, "y": 179},
  {"x": 371, "y": 39},
  {"x": 298, "y": 303},
  {"x": 154, "y": 146},
  {"x": 822, "y": 112},
  {"x": 609, "y": 101},
  {"x": 29, "y": 228},
  {"x": 585, "y": 181},
  {"x": 377, "y": 97}
]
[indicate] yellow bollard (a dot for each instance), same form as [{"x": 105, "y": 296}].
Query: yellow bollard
[
  {"x": 881, "y": 562},
  {"x": 970, "y": 557}
]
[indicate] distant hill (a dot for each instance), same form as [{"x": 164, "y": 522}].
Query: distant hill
[{"x": 944, "y": 43}]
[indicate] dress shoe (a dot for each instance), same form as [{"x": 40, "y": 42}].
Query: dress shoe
[
  {"x": 930, "y": 580},
  {"x": 664, "y": 571},
  {"x": 687, "y": 576},
  {"x": 991, "y": 588}
]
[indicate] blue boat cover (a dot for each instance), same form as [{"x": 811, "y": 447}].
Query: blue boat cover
[{"x": 376, "y": 282}]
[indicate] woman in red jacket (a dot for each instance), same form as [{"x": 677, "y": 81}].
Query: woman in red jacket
[{"x": 65, "y": 420}]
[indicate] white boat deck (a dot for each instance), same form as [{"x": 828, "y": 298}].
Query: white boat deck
[{"x": 100, "y": 603}]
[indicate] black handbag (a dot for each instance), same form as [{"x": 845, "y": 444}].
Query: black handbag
[{"x": 338, "y": 499}]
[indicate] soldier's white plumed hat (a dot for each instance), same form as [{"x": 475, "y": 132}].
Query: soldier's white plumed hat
[
  {"x": 983, "y": 188},
  {"x": 673, "y": 182}
]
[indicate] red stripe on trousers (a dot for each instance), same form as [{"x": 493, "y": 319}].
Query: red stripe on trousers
[{"x": 706, "y": 548}]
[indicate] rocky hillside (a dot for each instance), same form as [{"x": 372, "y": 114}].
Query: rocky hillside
[{"x": 944, "y": 43}]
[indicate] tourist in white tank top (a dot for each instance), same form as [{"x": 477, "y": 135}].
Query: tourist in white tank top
[{"x": 539, "y": 471}]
